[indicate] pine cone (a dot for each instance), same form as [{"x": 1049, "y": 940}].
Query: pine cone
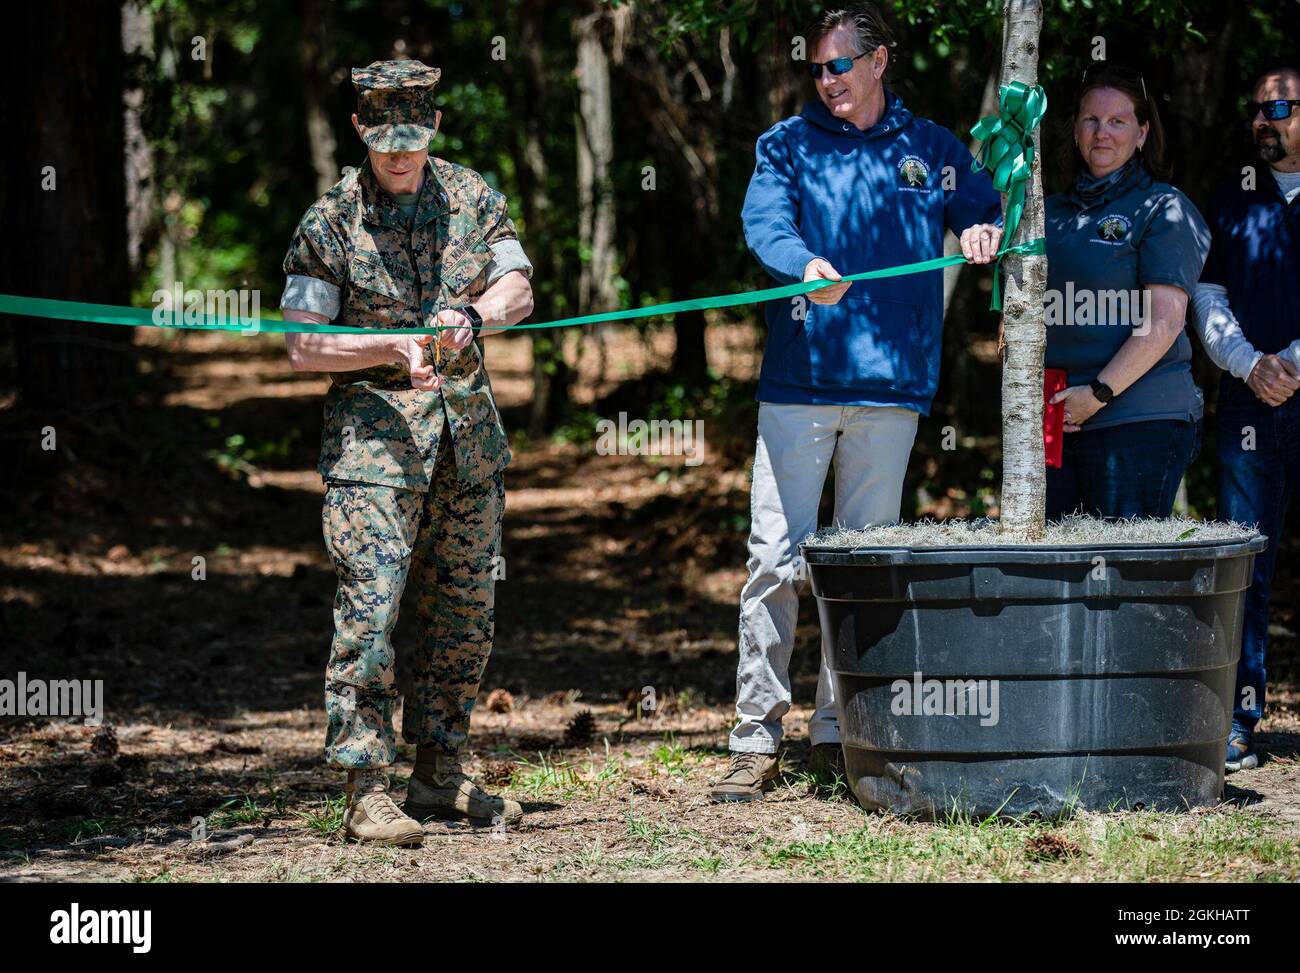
[
  {"x": 104, "y": 742},
  {"x": 580, "y": 729},
  {"x": 1051, "y": 847},
  {"x": 651, "y": 789},
  {"x": 498, "y": 773},
  {"x": 500, "y": 701}
]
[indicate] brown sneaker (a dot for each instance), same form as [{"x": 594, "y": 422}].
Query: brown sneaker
[
  {"x": 826, "y": 763},
  {"x": 439, "y": 788},
  {"x": 371, "y": 814},
  {"x": 747, "y": 776}
]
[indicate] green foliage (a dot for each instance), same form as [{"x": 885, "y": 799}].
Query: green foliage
[
  {"x": 241, "y": 455},
  {"x": 326, "y": 819},
  {"x": 235, "y": 812}
]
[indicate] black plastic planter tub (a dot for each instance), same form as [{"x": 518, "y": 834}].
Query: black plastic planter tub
[{"x": 1010, "y": 680}]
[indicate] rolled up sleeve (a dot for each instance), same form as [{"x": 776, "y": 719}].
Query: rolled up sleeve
[
  {"x": 315, "y": 268},
  {"x": 507, "y": 256},
  {"x": 302, "y": 293}
]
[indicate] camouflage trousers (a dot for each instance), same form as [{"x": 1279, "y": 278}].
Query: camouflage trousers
[{"x": 442, "y": 545}]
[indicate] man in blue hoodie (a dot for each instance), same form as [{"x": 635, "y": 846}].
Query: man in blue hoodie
[{"x": 857, "y": 182}]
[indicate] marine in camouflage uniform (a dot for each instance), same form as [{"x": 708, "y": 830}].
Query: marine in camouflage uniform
[{"x": 414, "y": 490}]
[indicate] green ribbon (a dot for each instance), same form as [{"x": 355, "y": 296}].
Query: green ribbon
[
  {"x": 141, "y": 317},
  {"x": 1007, "y": 153}
]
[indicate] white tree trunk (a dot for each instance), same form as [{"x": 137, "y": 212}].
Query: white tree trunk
[
  {"x": 320, "y": 136},
  {"x": 1024, "y": 471},
  {"x": 138, "y": 46},
  {"x": 596, "y": 289}
]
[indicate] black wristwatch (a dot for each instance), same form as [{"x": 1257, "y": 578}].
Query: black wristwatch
[
  {"x": 1102, "y": 391},
  {"x": 476, "y": 319}
]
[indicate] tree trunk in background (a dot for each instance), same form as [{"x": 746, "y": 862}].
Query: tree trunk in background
[
  {"x": 169, "y": 215},
  {"x": 1197, "y": 94},
  {"x": 141, "y": 198},
  {"x": 551, "y": 373},
  {"x": 65, "y": 111},
  {"x": 691, "y": 190},
  {"x": 780, "y": 75},
  {"x": 780, "y": 78},
  {"x": 1024, "y": 470},
  {"x": 320, "y": 135},
  {"x": 690, "y": 355},
  {"x": 1200, "y": 97},
  {"x": 595, "y": 131}
]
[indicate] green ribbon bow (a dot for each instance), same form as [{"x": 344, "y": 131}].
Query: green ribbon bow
[{"x": 1008, "y": 154}]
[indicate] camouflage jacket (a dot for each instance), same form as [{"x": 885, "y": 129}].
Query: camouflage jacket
[{"x": 390, "y": 274}]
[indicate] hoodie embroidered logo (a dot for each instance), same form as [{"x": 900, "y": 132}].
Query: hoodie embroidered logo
[
  {"x": 913, "y": 171},
  {"x": 1113, "y": 228}
]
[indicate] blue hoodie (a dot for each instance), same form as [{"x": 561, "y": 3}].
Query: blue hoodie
[{"x": 863, "y": 201}]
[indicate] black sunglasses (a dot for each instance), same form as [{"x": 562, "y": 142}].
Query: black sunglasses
[
  {"x": 840, "y": 65},
  {"x": 1274, "y": 111},
  {"x": 1127, "y": 74}
]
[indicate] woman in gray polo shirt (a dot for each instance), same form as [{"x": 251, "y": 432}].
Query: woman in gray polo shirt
[{"x": 1123, "y": 252}]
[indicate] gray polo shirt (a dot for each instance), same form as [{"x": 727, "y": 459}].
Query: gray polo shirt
[{"x": 1103, "y": 245}]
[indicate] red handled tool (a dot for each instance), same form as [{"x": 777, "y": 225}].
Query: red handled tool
[{"x": 1053, "y": 415}]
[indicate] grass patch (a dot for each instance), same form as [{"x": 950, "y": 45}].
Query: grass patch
[
  {"x": 671, "y": 756},
  {"x": 1142, "y": 846},
  {"x": 827, "y": 785},
  {"x": 710, "y": 866},
  {"x": 234, "y": 812},
  {"x": 326, "y": 819},
  {"x": 559, "y": 778},
  {"x": 79, "y": 830}
]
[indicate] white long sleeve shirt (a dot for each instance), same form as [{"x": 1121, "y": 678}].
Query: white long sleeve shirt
[{"x": 1222, "y": 337}]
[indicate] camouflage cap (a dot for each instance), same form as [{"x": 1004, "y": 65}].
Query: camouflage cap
[{"x": 395, "y": 104}]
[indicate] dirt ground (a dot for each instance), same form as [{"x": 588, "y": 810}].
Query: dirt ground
[{"x": 621, "y": 573}]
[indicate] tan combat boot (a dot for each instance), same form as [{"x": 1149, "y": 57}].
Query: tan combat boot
[
  {"x": 747, "y": 776},
  {"x": 440, "y": 789},
  {"x": 371, "y": 814}
]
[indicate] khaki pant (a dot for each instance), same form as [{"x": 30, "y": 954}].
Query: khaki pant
[{"x": 797, "y": 444}]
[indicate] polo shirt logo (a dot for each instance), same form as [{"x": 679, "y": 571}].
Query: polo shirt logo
[
  {"x": 1113, "y": 228},
  {"x": 913, "y": 171}
]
